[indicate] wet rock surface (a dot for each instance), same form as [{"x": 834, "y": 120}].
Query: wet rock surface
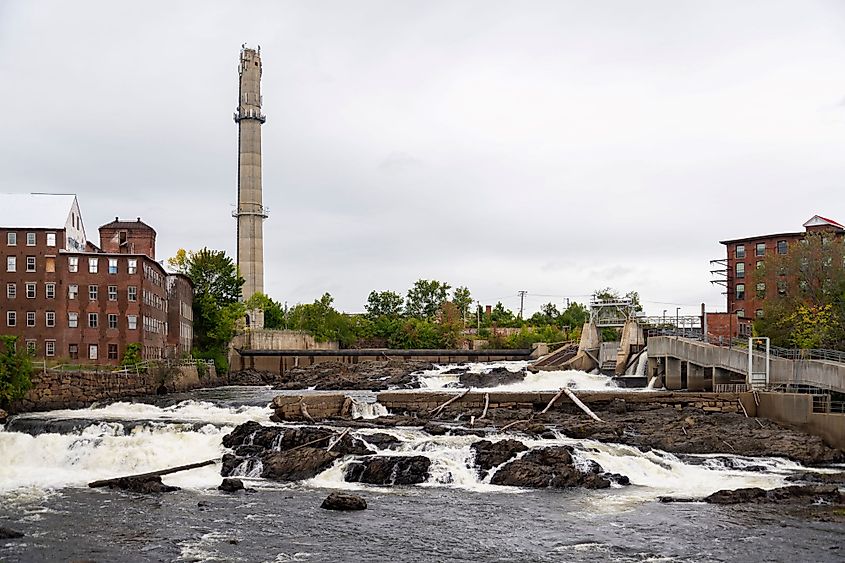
[
  {"x": 9, "y": 534},
  {"x": 287, "y": 454},
  {"x": 230, "y": 485},
  {"x": 142, "y": 484},
  {"x": 367, "y": 375},
  {"x": 494, "y": 377},
  {"x": 492, "y": 454},
  {"x": 550, "y": 467},
  {"x": 296, "y": 465},
  {"x": 344, "y": 501},
  {"x": 389, "y": 470},
  {"x": 804, "y": 494},
  {"x": 382, "y": 441}
]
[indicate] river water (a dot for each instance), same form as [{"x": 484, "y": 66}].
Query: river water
[{"x": 46, "y": 459}]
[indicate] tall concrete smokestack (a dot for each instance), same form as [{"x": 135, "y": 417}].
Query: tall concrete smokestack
[{"x": 251, "y": 211}]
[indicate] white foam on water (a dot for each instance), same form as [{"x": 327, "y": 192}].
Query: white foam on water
[
  {"x": 367, "y": 410},
  {"x": 542, "y": 381},
  {"x": 189, "y": 411},
  {"x": 100, "y": 451}
]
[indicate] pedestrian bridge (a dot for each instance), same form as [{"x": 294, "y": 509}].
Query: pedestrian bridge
[{"x": 686, "y": 363}]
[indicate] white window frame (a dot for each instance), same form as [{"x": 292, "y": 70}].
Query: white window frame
[
  {"x": 112, "y": 293},
  {"x": 32, "y": 347},
  {"x": 112, "y": 266},
  {"x": 73, "y": 264},
  {"x": 51, "y": 239},
  {"x": 112, "y": 320},
  {"x": 30, "y": 260},
  {"x": 93, "y": 320},
  {"x": 11, "y": 239},
  {"x": 50, "y": 348},
  {"x": 132, "y": 322},
  {"x": 50, "y": 318},
  {"x": 72, "y": 291},
  {"x": 132, "y": 293},
  {"x": 11, "y": 318},
  {"x": 93, "y": 265},
  {"x": 73, "y": 320},
  {"x": 50, "y": 290},
  {"x": 30, "y": 318},
  {"x": 11, "y": 290},
  {"x": 11, "y": 263},
  {"x": 31, "y": 239},
  {"x": 93, "y": 292},
  {"x": 34, "y": 288},
  {"x": 132, "y": 266},
  {"x": 93, "y": 351}
]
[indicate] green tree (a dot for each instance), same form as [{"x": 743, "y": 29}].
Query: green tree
[
  {"x": 15, "y": 371},
  {"x": 384, "y": 304},
  {"x": 132, "y": 355},
  {"x": 804, "y": 293},
  {"x": 426, "y": 298},
  {"x": 323, "y": 322},
  {"x": 217, "y": 311},
  {"x": 462, "y": 299},
  {"x": 502, "y": 316},
  {"x": 274, "y": 313}
]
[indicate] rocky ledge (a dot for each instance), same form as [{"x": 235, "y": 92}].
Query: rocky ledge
[
  {"x": 818, "y": 502},
  {"x": 368, "y": 375}
]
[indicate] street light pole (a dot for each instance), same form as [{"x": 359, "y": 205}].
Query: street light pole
[{"x": 677, "y": 318}]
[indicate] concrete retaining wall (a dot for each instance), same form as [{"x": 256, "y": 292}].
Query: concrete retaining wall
[
  {"x": 796, "y": 409},
  {"x": 399, "y": 402}
]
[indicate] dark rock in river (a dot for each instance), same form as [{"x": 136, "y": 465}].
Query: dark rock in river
[
  {"x": 382, "y": 441},
  {"x": 547, "y": 467},
  {"x": 296, "y": 465},
  {"x": 492, "y": 454},
  {"x": 389, "y": 470},
  {"x": 343, "y": 501},
  {"x": 368, "y": 375},
  {"x": 142, "y": 484},
  {"x": 813, "y": 477},
  {"x": 493, "y": 378},
  {"x": 9, "y": 534},
  {"x": 231, "y": 485},
  {"x": 808, "y": 494},
  {"x": 3, "y": 416},
  {"x": 251, "y": 435}
]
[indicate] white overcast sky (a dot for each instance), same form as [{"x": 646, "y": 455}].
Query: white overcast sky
[{"x": 556, "y": 147}]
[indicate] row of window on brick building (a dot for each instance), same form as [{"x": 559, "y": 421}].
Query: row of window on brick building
[
  {"x": 31, "y": 239},
  {"x": 93, "y": 352},
  {"x": 151, "y": 324},
  {"x": 73, "y": 266}
]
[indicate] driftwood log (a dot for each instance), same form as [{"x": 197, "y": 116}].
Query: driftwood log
[
  {"x": 437, "y": 410},
  {"x": 108, "y": 482}
]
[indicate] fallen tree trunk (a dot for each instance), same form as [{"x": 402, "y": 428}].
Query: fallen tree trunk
[
  {"x": 581, "y": 405},
  {"x": 108, "y": 482},
  {"x": 437, "y": 410},
  {"x": 553, "y": 401},
  {"x": 486, "y": 405}
]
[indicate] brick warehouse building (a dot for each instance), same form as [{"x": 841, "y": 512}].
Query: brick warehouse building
[
  {"x": 67, "y": 298},
  {"x": 745, "y": 293}
]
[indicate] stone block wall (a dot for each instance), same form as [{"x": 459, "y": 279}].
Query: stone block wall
[{"x": 53, "y": 390}]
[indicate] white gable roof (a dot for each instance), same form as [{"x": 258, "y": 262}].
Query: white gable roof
[
  {"x": 35, "y": 211},
  {"x": 819, "y": 221}
]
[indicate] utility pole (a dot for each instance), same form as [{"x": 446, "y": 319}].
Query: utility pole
[
  {"x": 478, "y": 316},
  {"x": 522, "y": 293}
]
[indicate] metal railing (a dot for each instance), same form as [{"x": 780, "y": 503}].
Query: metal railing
[{"x": 821, "y": 354}]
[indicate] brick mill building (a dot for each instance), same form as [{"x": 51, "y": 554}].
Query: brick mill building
[
  {"x": 746, "y": 294},
  {"x": 69, "y": 299}
]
